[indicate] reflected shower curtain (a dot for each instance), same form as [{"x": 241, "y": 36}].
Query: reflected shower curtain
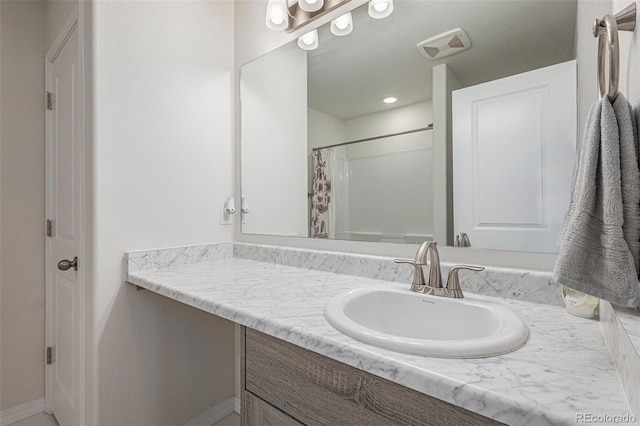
[{"x": 322, "y": 209}]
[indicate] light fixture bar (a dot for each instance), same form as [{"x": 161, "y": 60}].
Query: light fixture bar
[{"x": 300, "y": 17}]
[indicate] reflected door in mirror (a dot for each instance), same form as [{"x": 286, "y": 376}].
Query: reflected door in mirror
[{"x": 513, "y": 152}]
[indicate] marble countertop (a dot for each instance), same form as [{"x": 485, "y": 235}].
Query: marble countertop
[{"x": 563, "y": 372}]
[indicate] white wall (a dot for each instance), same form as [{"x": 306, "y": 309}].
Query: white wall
[
  {"x": 274, "y": 173},
  {"x": 323, "y": 129},
  {"x": 22, "y": 202},
  {"x": 161, "y": 163},
  {"x": 393, "y": 120}
]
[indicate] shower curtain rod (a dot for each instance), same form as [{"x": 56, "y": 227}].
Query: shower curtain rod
[{"x": 422, "y": 129}]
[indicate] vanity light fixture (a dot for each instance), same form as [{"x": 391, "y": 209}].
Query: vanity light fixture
[
  {"x": 310, "y": 5},
  {"x": 379, "y": 9},
  {"x": 282, "y": 17},
  {"x": 309, "y": 41},
  {"x": 390, "y": 100},
  {"x": 277, "y": 15},
  {"x": 343, "y": 25}
]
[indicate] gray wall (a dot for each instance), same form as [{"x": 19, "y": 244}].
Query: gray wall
[{"x": 22, "y": 202}]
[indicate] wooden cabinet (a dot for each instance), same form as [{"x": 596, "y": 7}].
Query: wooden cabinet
[{"x": 284, "y": 384}]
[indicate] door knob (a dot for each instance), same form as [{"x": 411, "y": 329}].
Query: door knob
[{"x": 64, "y": 265}]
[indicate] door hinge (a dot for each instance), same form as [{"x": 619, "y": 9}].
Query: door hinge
[
  {"x": 49, "y": 230},
  {"x": 50, "y": 101},
  {"x": 51, "y": 355}
]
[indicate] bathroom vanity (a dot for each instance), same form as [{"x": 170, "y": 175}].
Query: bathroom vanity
[
  {"x": 280, "y": 378},
  {"x": 298, "y": 368}
]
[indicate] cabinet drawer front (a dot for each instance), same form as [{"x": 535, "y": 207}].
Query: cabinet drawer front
[
  {"x": 256, "y": 412},
  {"x": 317, "y": 390}
]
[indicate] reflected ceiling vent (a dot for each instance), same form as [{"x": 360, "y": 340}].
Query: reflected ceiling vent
[{"x": 445, "y": 44}]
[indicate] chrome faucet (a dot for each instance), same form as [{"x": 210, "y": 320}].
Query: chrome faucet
[
  {"x": 429, "y": 251},
  {"x": 462, "y": 240}
]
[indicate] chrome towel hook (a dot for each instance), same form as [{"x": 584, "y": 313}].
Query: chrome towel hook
[{"x": 625, "y": 20}]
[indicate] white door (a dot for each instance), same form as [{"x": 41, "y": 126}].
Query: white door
[
  {"x": 513, "y": 150},
  {"x": 65, "y": 280}
]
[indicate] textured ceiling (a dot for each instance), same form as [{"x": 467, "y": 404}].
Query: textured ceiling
[{"x": 348, "y": 76}]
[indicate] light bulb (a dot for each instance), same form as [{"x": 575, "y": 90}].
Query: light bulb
[
  {"x": 379, "y": 9},
  {"x": 277, "y": 17},
  {"x": 380, "y": 6},
  {"x": 308, "y": 41},
  {"x": 310, "y": 5},
  {"x": 390, "y": 100},
  {"x": 342, "y": 25}
]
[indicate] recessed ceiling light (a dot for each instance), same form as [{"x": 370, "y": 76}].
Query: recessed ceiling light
[{"x": 390, "y": 100}]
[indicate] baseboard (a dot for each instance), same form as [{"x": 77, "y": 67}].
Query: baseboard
[
  {"x": 214, "y": 414},
  {"x": 21, "y": 412},
  {"x": 236, "y": 405}
]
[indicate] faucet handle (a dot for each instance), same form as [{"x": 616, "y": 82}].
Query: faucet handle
[
  {"x": 418, "y": 275},
  {"x": 453, "y": 281}
]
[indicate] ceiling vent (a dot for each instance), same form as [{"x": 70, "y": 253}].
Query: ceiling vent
[{"x": 445, "y": 44}]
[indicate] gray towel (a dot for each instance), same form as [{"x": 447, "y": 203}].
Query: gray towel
[{"x": 600, "y": 250}]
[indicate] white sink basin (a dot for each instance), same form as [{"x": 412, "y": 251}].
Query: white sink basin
[{"x": 404, "y": 321}]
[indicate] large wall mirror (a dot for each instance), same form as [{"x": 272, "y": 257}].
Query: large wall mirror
[{"x": 479, "y": 141}]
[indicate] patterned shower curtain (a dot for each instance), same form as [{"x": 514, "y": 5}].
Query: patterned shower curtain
[{"x": 322, "y": 211}]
